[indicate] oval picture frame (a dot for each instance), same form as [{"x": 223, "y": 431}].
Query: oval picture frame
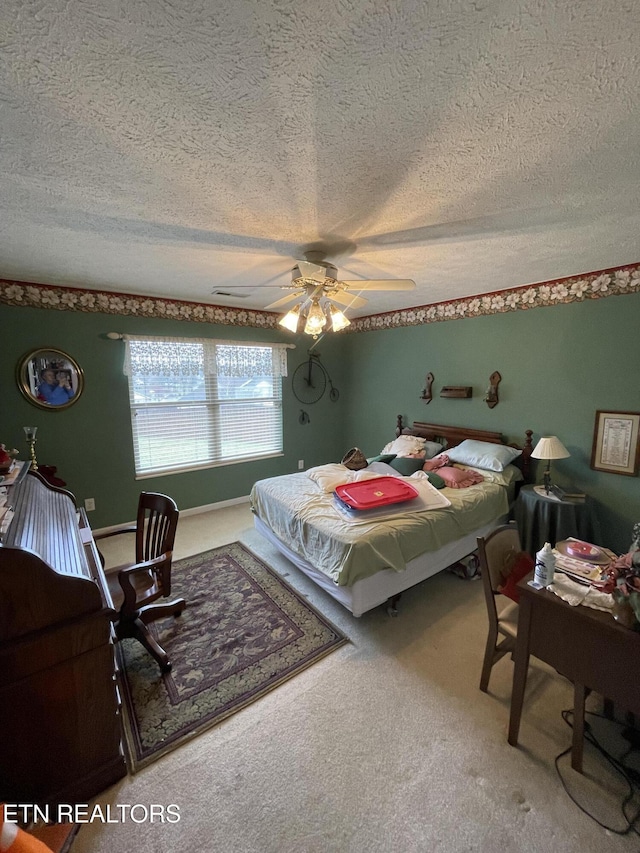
[{"x": 50, "y": 378}]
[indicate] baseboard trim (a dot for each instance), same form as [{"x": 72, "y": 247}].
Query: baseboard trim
[{"x": 195, "y": 510}]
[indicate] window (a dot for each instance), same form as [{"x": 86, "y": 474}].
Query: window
[{"x": 197, "y": 403}]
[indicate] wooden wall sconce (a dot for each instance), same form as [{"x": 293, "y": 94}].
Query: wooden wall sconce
[
  {"x": 460, "y": 392},
  {"x": 491, "y": 397},
  {"x": 427, "y": 396}
]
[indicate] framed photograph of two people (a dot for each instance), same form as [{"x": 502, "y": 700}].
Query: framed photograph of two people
[{"x": 50, "y": 378}]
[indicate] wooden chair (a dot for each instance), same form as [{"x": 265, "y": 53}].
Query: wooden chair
[
  {"x": 134, "y": 587},
  {"x": 495, "y": 551}
]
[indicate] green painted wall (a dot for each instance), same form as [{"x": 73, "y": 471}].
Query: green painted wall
[
  {"x": 90, "y": 443},
  {"x": 558, "y": 364}
]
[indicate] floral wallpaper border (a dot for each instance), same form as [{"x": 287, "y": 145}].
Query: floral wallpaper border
[{"x": 595, "y": 285}]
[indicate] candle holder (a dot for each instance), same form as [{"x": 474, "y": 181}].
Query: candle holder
[{"x": 30, "y": 435}]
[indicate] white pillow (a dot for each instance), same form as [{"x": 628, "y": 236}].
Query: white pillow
[
  {"x": 483, "y": 454},
  {"x": 405, "y": 445}
]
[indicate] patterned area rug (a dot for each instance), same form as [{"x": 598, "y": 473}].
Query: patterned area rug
[{"x": 243, "y": 633}]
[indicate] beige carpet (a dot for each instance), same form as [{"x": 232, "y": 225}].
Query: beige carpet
[{"x": 385, "y": 745}]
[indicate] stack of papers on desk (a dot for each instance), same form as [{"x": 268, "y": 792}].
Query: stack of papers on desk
[{"x": 9, "y": 478}]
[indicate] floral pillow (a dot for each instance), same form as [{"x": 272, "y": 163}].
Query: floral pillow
[
  {"x": 411, "y": 445},
  {"x": 405, "y": 445}
]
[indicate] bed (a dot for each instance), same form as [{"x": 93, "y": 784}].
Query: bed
[{"x": 367, "y": 562}]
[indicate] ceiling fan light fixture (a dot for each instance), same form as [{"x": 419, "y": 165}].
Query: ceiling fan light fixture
[
  {"x": 316, "y": 320},
  {"x": 338, "y": 319},
  {"x": 291, "y": 319}
]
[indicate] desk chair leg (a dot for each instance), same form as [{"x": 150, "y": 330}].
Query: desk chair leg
[
  {"x": 152, "y": 646},
  {"x": 577, "y": 745},
  {"x": 488, "y": 662},
  {"x": 520, "y": 670}
]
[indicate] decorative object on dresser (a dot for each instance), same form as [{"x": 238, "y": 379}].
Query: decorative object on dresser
[
  {"x": 457, "y": 391},
  {"x": 6, "y": 459},
  {"x": 135, "y": 587},
  {"x": 58, "y": 699},
  {"x": 427, "y": 394},
  {"x": 245, "y": 632},
  {"x": 616, "y": 443},
  {"x": 50, "y": 379},
  {"x": 549, "y": 447},
  {"x": 491, "y": 396},
  {"x": 30, "y": 433}
]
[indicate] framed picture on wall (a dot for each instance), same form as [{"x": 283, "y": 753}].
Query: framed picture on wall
[
  {"x": 50, "y": 379},
  {"x": 616, "y": 448}
]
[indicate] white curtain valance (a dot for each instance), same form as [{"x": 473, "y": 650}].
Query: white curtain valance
[{"x": 164, "y": 356}]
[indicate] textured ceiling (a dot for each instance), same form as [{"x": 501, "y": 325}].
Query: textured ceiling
[{"x": 181, "y": 147}]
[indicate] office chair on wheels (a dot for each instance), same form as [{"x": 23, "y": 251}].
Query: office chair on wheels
[{"x": 135, "y": 587}]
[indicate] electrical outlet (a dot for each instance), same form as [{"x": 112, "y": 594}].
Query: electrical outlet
[
  {"x": 89, "y": 504},
  {"x": 300, "y": 464}
]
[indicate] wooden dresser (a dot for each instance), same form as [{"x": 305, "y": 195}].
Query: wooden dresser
[{"x": 59, "y": 706}]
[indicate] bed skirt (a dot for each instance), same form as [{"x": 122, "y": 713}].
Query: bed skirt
[{"x": 370, "y": 592}]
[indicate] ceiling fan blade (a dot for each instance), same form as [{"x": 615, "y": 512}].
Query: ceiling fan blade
[
  {"x": 381, "y": 284},
  {"x": 284, "y": 299},
  {"x": 348, "y": 299}
]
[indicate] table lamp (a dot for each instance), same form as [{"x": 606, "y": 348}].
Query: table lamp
[{"x": 549, "y": 447}]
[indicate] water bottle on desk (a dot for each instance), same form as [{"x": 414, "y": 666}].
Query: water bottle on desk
[{"x": 545, "y": 566}]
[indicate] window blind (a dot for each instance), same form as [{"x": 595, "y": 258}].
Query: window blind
[{"x": 200, "y": 402}]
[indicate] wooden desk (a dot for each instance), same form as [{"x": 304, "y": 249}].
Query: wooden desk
[{"x": 586, "y": 646}]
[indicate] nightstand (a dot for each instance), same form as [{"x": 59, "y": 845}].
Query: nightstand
[{"x": 543, "y": 519}]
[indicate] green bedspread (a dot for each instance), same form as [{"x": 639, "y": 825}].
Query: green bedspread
[{"x": 305, "y": 518}]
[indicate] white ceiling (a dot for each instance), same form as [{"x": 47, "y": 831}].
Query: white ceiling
[{"x": 180, "y": 147}]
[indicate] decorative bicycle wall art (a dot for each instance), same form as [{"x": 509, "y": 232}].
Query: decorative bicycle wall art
[{"x": 310, "y": 379}]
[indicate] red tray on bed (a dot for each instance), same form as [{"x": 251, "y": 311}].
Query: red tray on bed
[{"x": 379, "y": 491}]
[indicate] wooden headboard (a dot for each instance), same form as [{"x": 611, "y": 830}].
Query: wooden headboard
[{"x": 452, "y": 435}]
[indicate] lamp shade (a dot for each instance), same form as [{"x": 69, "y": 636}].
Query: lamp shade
[
  {"x": 338, "y": 319},
  {"x": 550, "y": 447},
  {"x": 316, "y": 320},
  {"x": 291, "y": 319}
]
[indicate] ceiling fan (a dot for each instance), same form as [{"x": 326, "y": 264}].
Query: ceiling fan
[{"x": 316, "y": 279}]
